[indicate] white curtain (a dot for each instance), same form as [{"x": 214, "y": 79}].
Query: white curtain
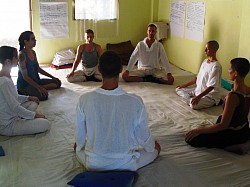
[
  {"x": 96, "y": 15},
  {"x": 96, "y": 9}
]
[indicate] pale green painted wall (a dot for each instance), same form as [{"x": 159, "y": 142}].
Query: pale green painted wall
[
  {"x": 134, "y": 18},
  {"x": 226, "y": 21},
  {"x": 244, "y": 44}
]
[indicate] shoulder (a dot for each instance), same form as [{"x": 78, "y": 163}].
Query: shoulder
[
  {"x": 143, "y": 42},
  {"x": 22, "y": 55},
  {"x": 97, "y": 46},
  {"x": 4, "y": 81},
  {"x": 80, "y": 47},
  {"x": 232, "y": 98},
  {"x": 216, "y": 64},
  {"x": 135, "y": 98},
  {"x": 86, "y": 96},
  {"x": 248, "y": 91}
]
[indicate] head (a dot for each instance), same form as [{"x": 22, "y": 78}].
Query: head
[
  {"x": 110, "y": 64},
  {"x": 152, "y": 29},
  {"x": 27, "y": 38},
  {"x": 239, "y": 67},
  {"x": 8, "y": 56},
  {"x": 211, "y": 48},
  {"x": 89, "y": 35}
]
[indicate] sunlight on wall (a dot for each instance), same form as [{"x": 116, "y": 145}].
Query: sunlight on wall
[{"x": 14, "y": 19}]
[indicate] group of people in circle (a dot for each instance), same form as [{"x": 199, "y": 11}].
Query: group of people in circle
[{"x": 127, "y": 144}]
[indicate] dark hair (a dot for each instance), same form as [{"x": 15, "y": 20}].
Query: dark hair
[
  {"x": 110, "y": 64},
  {"x": 24, "y": 36},
  {"x": 89, "y": 31},
  {"x": 214, "y": 45},
  {"x": 7, "y": 52},
  {"x": 241, "y": 65},
  {"x": 152, "y": 25}
]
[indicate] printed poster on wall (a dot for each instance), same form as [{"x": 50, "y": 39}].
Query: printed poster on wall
[
  {"x": 54, "y": 19},
  {"x": 177, "y": 18},
  {"x": 195, "y": 19}
]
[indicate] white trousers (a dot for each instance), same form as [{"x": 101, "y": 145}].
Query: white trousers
[
  {"x": 28, "y": 126},
  {"x": 133, "y": 165},
  {"x": 158, "y": 73},
  {"x": 188, "y": 93},
  {"x": 79, "y": 75}
]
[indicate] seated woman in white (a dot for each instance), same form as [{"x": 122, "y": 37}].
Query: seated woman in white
[{"x": 17, "y": 112}]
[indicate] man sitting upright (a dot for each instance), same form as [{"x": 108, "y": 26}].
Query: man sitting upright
[{"x": 112, "y": 130}]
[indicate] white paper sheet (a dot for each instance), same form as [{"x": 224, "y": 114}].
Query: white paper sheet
[
  {"x": 177, "y": 18},
  {"x": 195, "y": 21},
  {"x": 54, "y": 19}
]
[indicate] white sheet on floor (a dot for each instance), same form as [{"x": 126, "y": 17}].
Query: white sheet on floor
[{"x": 48, "y": 159}]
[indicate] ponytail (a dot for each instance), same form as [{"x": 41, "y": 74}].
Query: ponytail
[{"x": 24, "y": 36}]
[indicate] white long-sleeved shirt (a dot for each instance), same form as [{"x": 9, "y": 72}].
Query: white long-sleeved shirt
[
  {"x": 110, "y": 126},
  {"x": 10, "y": 104},
  {"x": 149, "y": 58},
  {"x": 209, "y": 76}
]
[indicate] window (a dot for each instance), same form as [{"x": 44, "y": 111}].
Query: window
[
  {"x": 96, "y": 9},
  {"x": 14, "y": 19}
]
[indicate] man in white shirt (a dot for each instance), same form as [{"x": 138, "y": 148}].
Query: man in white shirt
[
  {"x": 112, "y": 130},
  {"x": 208, "y": 81},
  {"x": 149, "y": 53}
]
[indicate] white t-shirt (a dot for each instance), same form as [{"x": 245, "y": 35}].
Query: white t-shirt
[
  {"x": 110, "y": 126},
  {"x": 209, "y": 76}
]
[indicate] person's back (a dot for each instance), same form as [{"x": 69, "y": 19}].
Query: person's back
[{"x": 112, "y": 125}]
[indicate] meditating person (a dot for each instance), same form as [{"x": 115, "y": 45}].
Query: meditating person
[
  {"x": 149, "y": 53},
  {"x": 208, "y": 82},
  {"x": 232, "y": 127},
  {"x": 112, "y": 130},
  {"x": 88, "y": 54},
  {"x": 29, "y": 81},
  {"x": 18, "y": 114}
]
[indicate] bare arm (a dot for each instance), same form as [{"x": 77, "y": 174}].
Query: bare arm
[
  {"x": 77, "y": 60},
  {"x": 99, "y": 50},
  {"x": 195, "y": 100},
  {"x": 232, "y": 101},
  {"x": 190, "y": 83},
  {"x": 24, "y": 71}
]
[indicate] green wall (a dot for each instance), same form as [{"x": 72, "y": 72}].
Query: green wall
[
  {"x": 227, "y": 21},
  {"x": 133, "y": 19}
]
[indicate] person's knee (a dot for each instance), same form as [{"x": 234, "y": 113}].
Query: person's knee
[
  {"x": 42, "y": 97},
  {"x": 170, "y": 81},
  {"x": 70, "y": 79},
  {"x": 44, "y": 125},
  {"x": 195, "y": 107},
  {"x": 125, "y": 77},
  {"x": 58, "y": 84}
]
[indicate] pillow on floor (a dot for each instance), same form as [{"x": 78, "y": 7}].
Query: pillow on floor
[
  {"x": 1, "y": 151},
  {"x": 104, "y": 179},
  {"x": 124, "y": 49}
]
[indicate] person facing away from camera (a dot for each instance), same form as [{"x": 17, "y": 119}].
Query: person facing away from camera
[{"x": 112, "y": 130}]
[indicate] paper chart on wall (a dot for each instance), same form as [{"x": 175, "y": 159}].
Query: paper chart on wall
[
  {"x": 195, "y": 21},
  {"x": 177, "y": 18},
  {"x": 54, "y": 19}
]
